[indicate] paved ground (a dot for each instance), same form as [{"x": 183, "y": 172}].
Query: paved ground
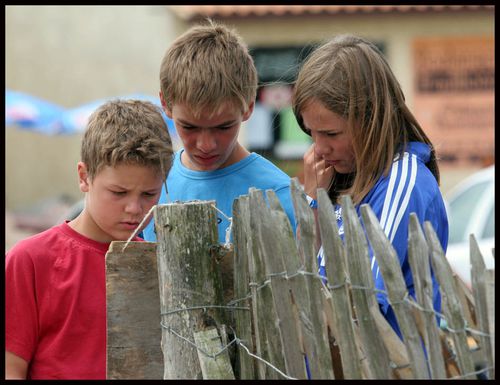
[{"x": 449, "y": 178}]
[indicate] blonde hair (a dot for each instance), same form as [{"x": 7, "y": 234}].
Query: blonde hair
[
  {"x": 127, "y": 131},
  {"x": 351, "y": 77},
  {"x": 207, "y": 67}
]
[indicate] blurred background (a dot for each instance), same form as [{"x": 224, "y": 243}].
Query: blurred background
[{"x": 61, "y": 62}]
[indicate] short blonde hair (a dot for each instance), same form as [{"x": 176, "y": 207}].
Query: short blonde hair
[
  {"x": 127, "y": 132},
  {"x": 207, "y": 67}
]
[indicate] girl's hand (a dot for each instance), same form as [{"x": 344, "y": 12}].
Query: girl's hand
[{"x": 316, "y": 173}]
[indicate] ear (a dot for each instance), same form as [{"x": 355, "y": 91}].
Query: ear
[
  {"x": 248, "y": 112},
  {"x": 164, "y": 105},
  {"x": 83, "y": 177}
]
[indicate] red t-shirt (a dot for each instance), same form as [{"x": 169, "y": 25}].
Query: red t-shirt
[{"x": 55, "y": 313}]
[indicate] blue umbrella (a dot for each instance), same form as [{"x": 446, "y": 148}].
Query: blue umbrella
[
  {"x": 75, "y": 120},
  {"x": 32, "y": 113}
]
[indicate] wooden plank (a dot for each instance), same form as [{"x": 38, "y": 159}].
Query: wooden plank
[
  {"x": 306, "y": 293},
  {"x": 243, "y": 319},
  {"x": 418, "y": 256},
  {"x": 490, "y": 301},
  {"x": 467, "y": 300},
  {"x": 306, "y": 227},
  {"x": 268, "y": 343},
  {"x": 190, "y": 282},
  {"x": 478, "y": 281},
  {"x": 332, "y": 330},
  {"x": 449, "y": 356},
  {"x": 214, "y": 360},
  {"x": 337, "y": 283},
  {"x": 395, "y": 285},
  {"x": 133, "y": 312},
  {"x": 363, "y": 291},
  {"x": 269, "y": 236},
  {"x": 395, "y": 347},
  {"x": 452, "y": 308}
]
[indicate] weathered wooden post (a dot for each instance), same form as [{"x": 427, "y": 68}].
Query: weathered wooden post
[
  {"x": 452, "y": 308},
  {"x": 133, "y": 312},
  {"x": 189, "y": 280},
  {"x": 242, "y": 236},
  {"x": 360, "y": 276}
]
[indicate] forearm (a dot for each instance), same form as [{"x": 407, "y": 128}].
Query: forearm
[{"x": 16, "y": 368}]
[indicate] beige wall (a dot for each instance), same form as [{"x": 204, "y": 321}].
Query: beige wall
[
  {"x": 75, "y": 54},
  {"x": 397, "y": 30},
  {"x": 72, "y": 55},
  {"x": 39, "y": 167}
]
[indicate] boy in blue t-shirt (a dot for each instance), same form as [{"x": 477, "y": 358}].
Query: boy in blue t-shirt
[{"x": 208, "y": 87}]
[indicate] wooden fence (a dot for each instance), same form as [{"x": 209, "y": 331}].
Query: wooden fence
[{"x": 277, "y": 318}]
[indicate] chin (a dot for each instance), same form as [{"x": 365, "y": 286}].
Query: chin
[{"x": 344, "y": 170}]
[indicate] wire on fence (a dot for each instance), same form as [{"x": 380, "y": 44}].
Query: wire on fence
[{"x": 267, "y": 281}]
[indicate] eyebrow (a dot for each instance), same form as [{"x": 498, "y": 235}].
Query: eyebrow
[
  {"x": 322, "y": 129},
  {"x": 119, "y": 187},
  {"x": 226, "y": 123}
]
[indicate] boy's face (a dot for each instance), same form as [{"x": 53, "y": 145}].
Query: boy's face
[
  {"x": 210, "y": 143},
  {"x": 116, "y": 201}
]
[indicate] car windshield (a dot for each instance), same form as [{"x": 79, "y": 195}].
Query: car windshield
[
  {"x": 489, "y": 227},
  {"x": 460, "y": 211}
]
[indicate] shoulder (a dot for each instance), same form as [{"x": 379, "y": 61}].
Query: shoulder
[
  {"x": 408, "y": 186},
  {"x": 409, "y": 172},
  {"x": 33, "y": 248},
  {"x": 264, "y": 169}
]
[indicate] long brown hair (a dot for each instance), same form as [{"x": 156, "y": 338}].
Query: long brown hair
[{"x": 351, "y": 77}]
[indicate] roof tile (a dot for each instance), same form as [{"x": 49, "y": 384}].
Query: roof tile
[{"x": 200, "y": 11}]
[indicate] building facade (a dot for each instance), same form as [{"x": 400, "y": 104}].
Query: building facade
[{"x": 71, "y": 55}]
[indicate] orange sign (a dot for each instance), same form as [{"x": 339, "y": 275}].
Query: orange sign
[{"x": 454, "y": 95}]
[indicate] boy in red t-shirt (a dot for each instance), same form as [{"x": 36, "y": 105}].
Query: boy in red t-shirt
[{"x": 55, "y": 281}]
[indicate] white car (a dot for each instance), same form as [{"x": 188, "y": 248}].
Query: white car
[{"x": 471, "y": 210}]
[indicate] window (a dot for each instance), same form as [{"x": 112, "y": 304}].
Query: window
[{"x": 461, "y": 210}]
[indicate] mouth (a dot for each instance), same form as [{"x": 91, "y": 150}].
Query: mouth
[
  {"x": 129, "y": 225},
  {"x": 206, "y": 159}
]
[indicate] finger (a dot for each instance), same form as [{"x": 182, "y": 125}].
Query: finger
[{"x": 309, "y": 151}]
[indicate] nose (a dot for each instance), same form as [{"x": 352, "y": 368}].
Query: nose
[
  {"x": 320, "y": 147},
  {"x": 206, "y": 141},
  {"x": 133, "y": 206}
]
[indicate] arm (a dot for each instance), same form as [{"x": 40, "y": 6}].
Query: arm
[
  {"x": 16, "y": 367},
  {"x": 316, "y": 175}
]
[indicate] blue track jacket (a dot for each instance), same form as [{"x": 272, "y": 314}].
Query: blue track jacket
[{"x": 410, "y": 187}]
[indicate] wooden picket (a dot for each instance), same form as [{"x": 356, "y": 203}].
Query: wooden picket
[
  {"x": 285, "y": 321},
  {"x": 368, "y": 346}
]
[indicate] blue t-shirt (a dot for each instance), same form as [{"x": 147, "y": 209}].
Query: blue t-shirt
[
  {"x": 409, "y": 187},
  {"x": 224, "y": 185}
]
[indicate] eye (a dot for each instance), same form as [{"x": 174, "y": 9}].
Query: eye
[
  {"x": 149, "y": 194},
  {"x": 118, "y": 192},
  {"x": 332, "y": 133}
]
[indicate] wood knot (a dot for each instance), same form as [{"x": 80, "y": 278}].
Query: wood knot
[
  {"x": 206, "y": 321},
  {"x": 219, "y": 251}
]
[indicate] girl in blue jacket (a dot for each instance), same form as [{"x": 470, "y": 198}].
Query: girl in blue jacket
[{"x": 368, "y": 144}]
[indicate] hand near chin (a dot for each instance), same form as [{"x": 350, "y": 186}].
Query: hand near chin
[{"x": 317, "y": 174}]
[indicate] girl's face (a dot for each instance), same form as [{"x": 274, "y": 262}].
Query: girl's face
[{"x": 332, "y": 139}]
